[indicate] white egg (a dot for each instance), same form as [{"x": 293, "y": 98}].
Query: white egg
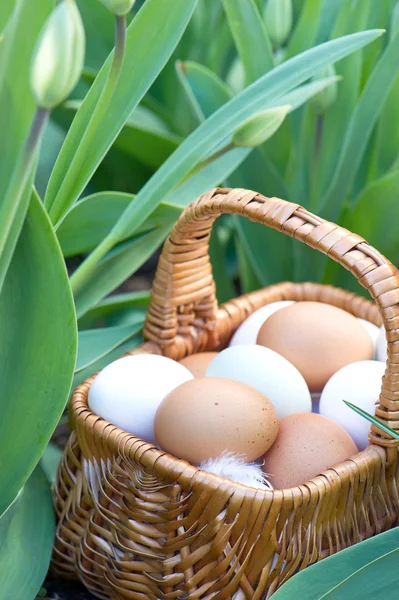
[
  {"x": 360, "y": 384},
  {"x": 373, "y": 332},
  {"x": 249, "y": 329},
  {"x": 128, "y": 391},
  {"x": 381, "y": 349},
  {"x": 267, "y": 371}
]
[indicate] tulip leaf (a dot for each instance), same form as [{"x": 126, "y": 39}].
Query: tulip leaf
[
  {"x": 17, "y": 105},
  {"x": 259, "y": 95},
  {"x": 306, "y": 29},
  {"x": 112, "y": 310},
  {"x": 151, "y": 38},
  {"x": 370, "y": 566},
  {"x": 105, "y": 360},
  {"x": 93, "y": 344},
  {"x": 38, "y": 341},
  {"x": 26, "y": 539},
  {"x": 250, "y": 37},
  {"x": 209, "y": 90},
  {"x": 50, "y": 460},
  {"x": 91, "y": 219},
  {"x": 360, "y": 127},
  {"x": 116, "y": 267}
]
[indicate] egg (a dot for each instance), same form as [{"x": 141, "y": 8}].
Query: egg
[
  {"x": 306, "y": 445},
  {"x": 317, "y": 338},
  {"x": 128, "y": 391},
  {"x": 249, "y": 329},
  {"x": 266, "y": 371},
  {"x": 206, "y": 416},
  {"x": 381, "y": 346},
  {"x": 373, "y": 332},
  {"x": 197, "y": 364},
  {"x": 360, "y": 384}
]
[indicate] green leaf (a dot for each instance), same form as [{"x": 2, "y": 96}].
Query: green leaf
[
  {"x": 50, "y": 460},
  {"x": 144, "y": 136},
  {"x": 367, "y": 567},
  {"x": 248, "y": 279},
  {"x": 210, "y": 176},
  {"x": 353, "y": 16},
  {"x": 39, "y": 340},
  {"x": 99, "y": 26},
  {"x": 373, "y": 213},
  {"x": 207, "y": 137},
  {"x": 16, "y": 110},
  {"x": 306, "y": 29},
  {"x": 26, "y": 540},
  {"x": 250, "y": 37},
  {"x": 388, "y": 136},
  {"x": 105, "y": 360},
  {"x": 219, "y": 260},
  {"x": 360, "y": 127},
  {"x": 95, "y": 343},
  {"x": 115, "y": 268},
  {"x": 151, "y": 38},
  {"x": 90, "y": 220},
  {"x": 373, "y": 420},
  {"x": 114, "y": 309},
  {"x": 6, "y": 8},
  {"x": 17, "y": 105},
  {"x": 209, "y": 90},
  {"x": 224, "y": 122}
]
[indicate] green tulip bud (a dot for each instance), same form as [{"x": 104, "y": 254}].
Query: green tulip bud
[
  {"x": 394, "y": 25},
  {"x": 260, "y": 127},
  {"x": 59, "y": 56},
  {"x": 119, "y": 7},
  {"x": 278, "y": 19},
  {"x": 322, "y": 101}
]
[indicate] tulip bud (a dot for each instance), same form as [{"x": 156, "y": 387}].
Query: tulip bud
[
  {"x": 278, "y": 19},
  {"x": 119, "y": 7},
  {"x": 394, "y": 25},
  {"x": 322, "y": 101},
  {"x": 59, "y": 56},
  {"x": 260, "y": 127}
]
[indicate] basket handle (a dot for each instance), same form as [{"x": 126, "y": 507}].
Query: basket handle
[{"x": 183, "y": 307}]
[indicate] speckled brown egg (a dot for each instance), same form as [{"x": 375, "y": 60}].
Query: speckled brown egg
[
  {"x": 306, "y": 445},
  {"x": 197, "y": 364},
  {"x": 317, "y": 338},
  {"x": 201, "y": 420}
]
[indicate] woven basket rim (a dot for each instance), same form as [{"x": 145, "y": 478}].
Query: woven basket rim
[{"x": 156, "y": 460}]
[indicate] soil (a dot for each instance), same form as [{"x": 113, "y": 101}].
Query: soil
[{"x": 57, "y": 589}]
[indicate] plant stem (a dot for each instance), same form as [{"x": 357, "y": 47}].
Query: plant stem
[
  {"x": 63, "y": 200},
  {"x": 207, "y": 162},
  {"x": 83, "y": 272},
  {"x": 15, "y": 205}
]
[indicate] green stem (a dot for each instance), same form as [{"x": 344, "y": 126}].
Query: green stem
[
  {"x": 83, "y": 273},
  {"x": 207, "y": 162},
  {"x": 62, "y": 199},
  {"x": 15, "y": 202}
]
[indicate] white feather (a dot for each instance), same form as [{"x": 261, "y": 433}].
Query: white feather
[{"x": 233, "y": 466}]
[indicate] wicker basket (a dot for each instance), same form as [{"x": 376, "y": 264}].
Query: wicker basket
[{"x": 137, "y": 523}]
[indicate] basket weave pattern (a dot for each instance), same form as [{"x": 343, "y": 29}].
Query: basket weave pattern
[{"x": 137, "y": 523}]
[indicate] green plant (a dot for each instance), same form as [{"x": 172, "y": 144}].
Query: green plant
[
  {"x": 157, "y": 121},
  {"x": 368, "y": 568}
]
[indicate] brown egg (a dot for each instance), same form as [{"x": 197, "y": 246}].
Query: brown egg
[
  {"x": 197, "y": 364},
  {"x": 306, "y": 445},
  {"x": 202, "y": 417},
  {"x": 318, "y": 339}
]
